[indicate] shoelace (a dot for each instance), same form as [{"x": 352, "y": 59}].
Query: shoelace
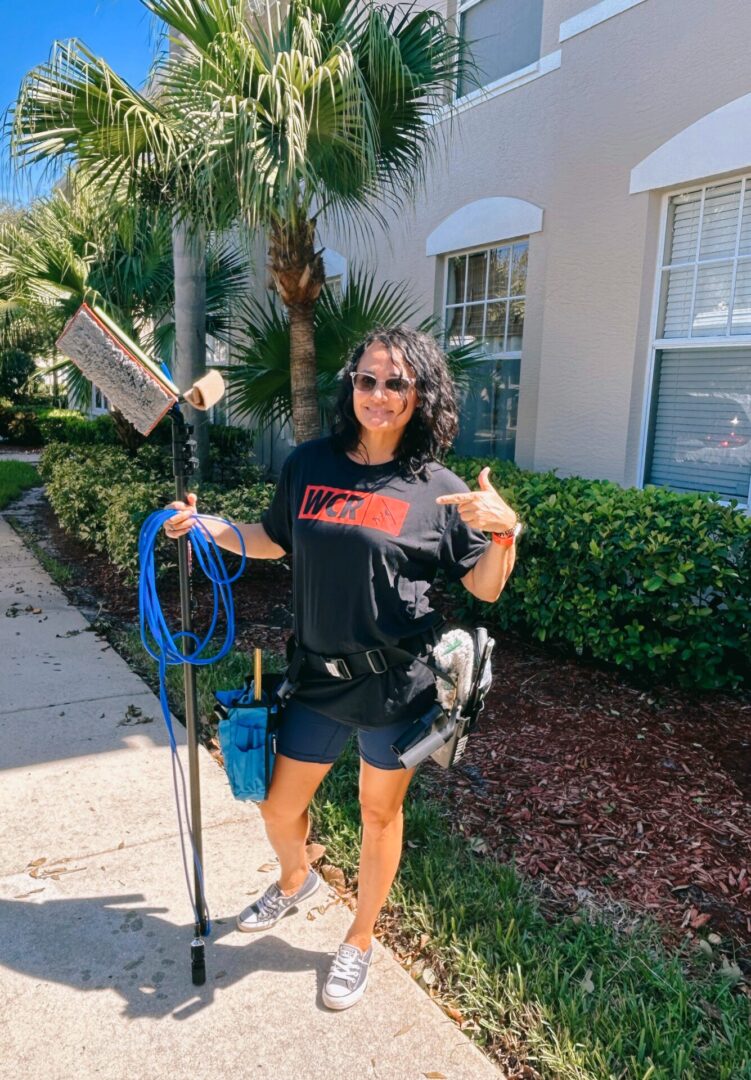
[
  {"x": 269, "y": 902},
  {"x": 345, "y": 966}
]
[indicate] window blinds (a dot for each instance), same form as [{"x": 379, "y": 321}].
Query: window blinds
[
  {"x": 706, "y": 279},
  {"x": 701, "y": 436}
]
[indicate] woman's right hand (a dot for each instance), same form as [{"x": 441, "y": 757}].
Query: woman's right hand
[{"x": 180, "y": 524}]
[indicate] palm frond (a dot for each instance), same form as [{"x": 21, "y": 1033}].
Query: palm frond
[
  {"x": 76, "y": 106},
  {"x": 196, "y": 25},
  {"x": 77, "y": 386},
  {"x": 258, "y": 380}
]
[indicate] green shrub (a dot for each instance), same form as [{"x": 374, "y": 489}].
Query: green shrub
[
  {"x": 34, "y": 425},
  {"x": 655, "y": 582},
  {"x": 242, "y": 504},
  {"x": 233, "y": 441},
  {"x": 21, "y": 425},
  {"x": 65, "y": 425},
  {"x": 126, "y": 510},
  {"x": 229, "y": 447},
  {"x": 102, "y": 495},
  {"x": 80, "y": 481}
]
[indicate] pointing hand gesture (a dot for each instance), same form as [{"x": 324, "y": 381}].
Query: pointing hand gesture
[{"x": 483, "y": 509}]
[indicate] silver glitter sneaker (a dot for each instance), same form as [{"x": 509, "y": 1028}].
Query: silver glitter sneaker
[
  {"x": 274, "y": 905},
  {"x": 348, "y": 977}
]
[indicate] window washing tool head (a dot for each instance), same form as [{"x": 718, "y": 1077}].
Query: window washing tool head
[{"x": 130, "y": 379}]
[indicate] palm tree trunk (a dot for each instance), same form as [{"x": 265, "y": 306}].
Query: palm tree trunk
[
  {"x": 306, "y": 417},
  {"x": 298, "y": 275},
  {"x": 189, "y": 261}
]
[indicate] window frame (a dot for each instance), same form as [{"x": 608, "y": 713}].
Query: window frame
[
  {"x": 218, "y": 354},
  {"x": 462, "y": 7},
  {"x": 512, "y": 354},
  {"x": 335, "y": 282},
  {"x": 659, "y": 344}
]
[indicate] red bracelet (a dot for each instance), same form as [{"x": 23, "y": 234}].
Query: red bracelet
[{"x": 507, "y": 538}]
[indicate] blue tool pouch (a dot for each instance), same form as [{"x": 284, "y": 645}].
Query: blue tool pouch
[{"x": 247, "y": 732}]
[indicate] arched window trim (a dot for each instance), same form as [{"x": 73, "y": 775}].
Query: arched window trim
[
  {"x": 483, "y": 223},
  {"x": 712, "y": 146}
]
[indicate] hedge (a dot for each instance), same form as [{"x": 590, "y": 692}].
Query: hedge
[
  {"x": 103, "y": 495},
  {"x": 21, "y": 424},
  {"x": 655, "y": 582},
  {"x": 30, "y": 425}
]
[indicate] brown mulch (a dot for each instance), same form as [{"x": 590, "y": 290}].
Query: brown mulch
[
  {"x": 611, "y": 794},
  {"x": 614, "y": 798}
]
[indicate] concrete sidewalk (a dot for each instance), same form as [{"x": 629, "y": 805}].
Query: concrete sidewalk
[{"x": 96, "y": 922}]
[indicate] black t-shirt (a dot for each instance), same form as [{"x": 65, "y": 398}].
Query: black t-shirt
[{"x": 367, "y": 543}]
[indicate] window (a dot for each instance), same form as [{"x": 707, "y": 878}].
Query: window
[
  {"x": 335, "y": 284},
  {"x": 98, "y": 401},
  {"x": 335, "y": 269},
  {"x": 700, "y": 438},
  {"x": 503, "y": 36},
  {"x": 217, "y": 355},
  {"x": 485, "y": 298},
  {"x": 706, "y": 277}
]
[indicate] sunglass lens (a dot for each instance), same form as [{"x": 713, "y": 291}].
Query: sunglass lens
[
  {"x": 364, "y": 382},
  {"x": 367, "y": 383}
]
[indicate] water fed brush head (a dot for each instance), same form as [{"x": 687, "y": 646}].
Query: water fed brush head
[{"x": 132, "y": 382}]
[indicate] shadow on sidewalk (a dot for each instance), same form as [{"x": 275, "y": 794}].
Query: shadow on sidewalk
[{"x": 109, "y": 943}]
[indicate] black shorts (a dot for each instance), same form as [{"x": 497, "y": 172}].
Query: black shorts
[{"x": 306, "y": 735}]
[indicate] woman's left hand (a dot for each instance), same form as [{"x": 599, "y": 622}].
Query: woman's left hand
[{"x": 483, "y": 509}]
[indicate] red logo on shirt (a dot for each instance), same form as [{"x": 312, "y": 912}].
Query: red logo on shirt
[{"x": 354, "y": 508}]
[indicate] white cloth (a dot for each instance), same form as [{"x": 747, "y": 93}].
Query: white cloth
[{"x": 454, "y": 654}]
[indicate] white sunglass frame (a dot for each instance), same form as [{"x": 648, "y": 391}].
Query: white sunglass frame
[{"x": 353, "y": 375}]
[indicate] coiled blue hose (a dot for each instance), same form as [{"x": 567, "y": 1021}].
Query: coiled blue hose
[{"x": 165, "y": 647}]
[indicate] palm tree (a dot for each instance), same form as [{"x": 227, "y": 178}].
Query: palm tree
[
  {"x": 294, "y": 113},
  {"x": 128, "y": 145},
  {"x": 259, "y": 385},
  {"x": 308, "y": 111},
  {"x": 69, "y": 248}
]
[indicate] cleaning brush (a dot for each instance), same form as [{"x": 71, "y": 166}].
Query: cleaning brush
[{"x": 132, "y": 382}]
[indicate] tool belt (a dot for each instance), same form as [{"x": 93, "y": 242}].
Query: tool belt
[{"x": 347, "y": 666}]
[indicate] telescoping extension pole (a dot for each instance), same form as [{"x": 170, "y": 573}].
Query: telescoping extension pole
[
  {"x": 183, "y": 463},
  {"x": 143, "y": 391}
]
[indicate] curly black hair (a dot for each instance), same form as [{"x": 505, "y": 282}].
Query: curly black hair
[{"x": 434, "y": 423}]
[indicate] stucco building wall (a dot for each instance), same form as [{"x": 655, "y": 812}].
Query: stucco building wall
[{"x": 567, "y": 142}]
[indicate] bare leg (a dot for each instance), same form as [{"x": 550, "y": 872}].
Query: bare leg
[
  {"x": 382, "y": 794},
  {"x": 287, "y": 819}
]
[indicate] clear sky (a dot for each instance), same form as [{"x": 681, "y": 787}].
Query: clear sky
[{"x": 124, "y": 32}]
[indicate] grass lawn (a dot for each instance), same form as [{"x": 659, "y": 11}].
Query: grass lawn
[
  {"x": 558, "y": 997},
  {"x": 15, "y": 477}
]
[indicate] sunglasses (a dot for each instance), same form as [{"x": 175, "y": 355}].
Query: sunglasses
[{"x": 366, "y": 384}]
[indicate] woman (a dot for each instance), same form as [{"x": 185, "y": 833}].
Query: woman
[{"x": 369, "y": 514}]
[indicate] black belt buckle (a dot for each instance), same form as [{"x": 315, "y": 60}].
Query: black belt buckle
[
  {"x": 285, "y": 689},
  {"x": 381, "y": 657},
  {"x": 337, "y": 666}
]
